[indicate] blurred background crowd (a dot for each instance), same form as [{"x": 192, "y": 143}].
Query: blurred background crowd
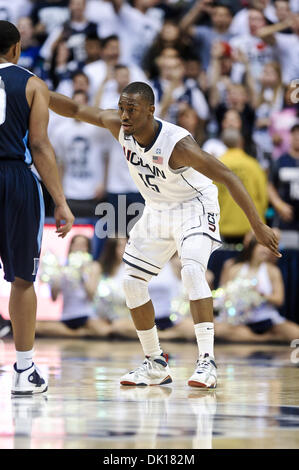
[{"x": 227, "y": 71}]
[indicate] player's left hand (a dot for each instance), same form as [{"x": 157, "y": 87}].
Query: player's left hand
[
  {"x": 63, "y": 212},
  {"x": 267, "y": 237}
]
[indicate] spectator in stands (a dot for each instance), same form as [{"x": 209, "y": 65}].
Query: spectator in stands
[
  {"x": 233, "y": 225},
  {"x": 257, "y": 51},
  {"x": 214, "y": 145},
  {"x": 171, "y": 90},
  {"x": 81, "y": 151},
  {"x": 47, "y": 15},
  {"x": 78, "y": 81},
  {"x": 221, "y": 73},
  {"x": 205, "y": 36},
  {"x": 12, "y": 11},
  {"x": 287, "y": 45},
  {"x": 62, "y": 65},
  {"x": 240, "y": 22},
  {"x": 77, "y": 285},
  {"x": 282, "y": 121},
  {"x": 269, "y": 100},
  {"x": 284, "y": 189},
  {"x": 263, "y": 322},
  {"x": 93, "y": 48},
  {"x": 237, "y": 99},
  {"x": 188, "y": 119},
  {"x": 73, "y": 31},
  {"x": 29, "y": 58},
  {"x": 110, "y": 56},
  {"x": 169, "y": 37}
]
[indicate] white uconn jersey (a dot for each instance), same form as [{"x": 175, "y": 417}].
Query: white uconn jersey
[{"x": 162, "y": 187}]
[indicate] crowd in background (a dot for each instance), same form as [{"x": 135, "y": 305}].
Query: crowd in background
[{"x": 227, "y": 71}]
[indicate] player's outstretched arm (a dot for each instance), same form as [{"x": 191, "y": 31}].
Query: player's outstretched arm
[
  {"x": 107, "y": 118},
  {"x": 43, "y": 155},
  {"x": 188, "y": 153}
]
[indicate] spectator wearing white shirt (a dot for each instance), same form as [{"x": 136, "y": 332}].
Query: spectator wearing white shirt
[
  {"x": 287, "y": 46},
  {"x": 110, "y": 56},
  {"x": 257, "y": 51},
  {"x": 13, "y": 10},
  {"x": 81, "y": 149},
  {"x": 171, "y": 90},
  {"x": 74, "y": 31}
]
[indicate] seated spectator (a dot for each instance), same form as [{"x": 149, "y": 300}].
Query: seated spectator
[
  {"x": 93, "y": 48},
  {"x": 111, "y": 300},
  {"x": 255, "y": 320},
  {"x": 81, "y": 150},
  {"x": 29, "y": 57},
  {"x": 205, "y": 36},
  {"x": 77, "y": 284},
  {"x": 233, "y": 223},
  {"x": 269, "y": 100},
  {"x": 171, "y": 90},
  {"x": 284, "y": 188}
]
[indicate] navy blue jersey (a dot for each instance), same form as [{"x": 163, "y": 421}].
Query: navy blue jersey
[{"x": 14, "y": 113}]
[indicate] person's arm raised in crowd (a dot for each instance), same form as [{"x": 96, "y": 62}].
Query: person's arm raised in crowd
[
  {"x": 107, "y": 118},
  {"x": 188, "y": 153},
  {"x": 267, "y": 32},
  {"x": 43, "y": 154}
]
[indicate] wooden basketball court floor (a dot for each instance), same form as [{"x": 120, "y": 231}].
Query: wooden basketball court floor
[{"x": 256, "y": 404}]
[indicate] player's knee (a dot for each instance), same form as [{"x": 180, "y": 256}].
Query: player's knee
[
  {"x": 136, "y": 291},
  {"x": 194, "y": 280}
]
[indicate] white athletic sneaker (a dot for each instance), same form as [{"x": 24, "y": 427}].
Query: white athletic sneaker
[
  {"x": 205, "y": 375},
  {"x": 153, "y": 371},
  {"x": 28, "y": 381}
]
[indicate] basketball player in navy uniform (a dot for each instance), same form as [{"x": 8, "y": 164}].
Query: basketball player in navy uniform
[
  {"x": 23, "y": 140},
  {"x": 174, "y": 175}
]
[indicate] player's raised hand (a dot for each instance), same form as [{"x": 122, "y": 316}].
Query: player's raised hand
[
  {"x": 63, "y": 212},
  {"x": 267, "y": 237}
]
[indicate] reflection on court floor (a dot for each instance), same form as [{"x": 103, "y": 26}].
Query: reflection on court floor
[{"x": 256, "y": 404}]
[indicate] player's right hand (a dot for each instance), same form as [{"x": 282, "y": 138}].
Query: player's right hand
[{"x": 63, "y": 212}]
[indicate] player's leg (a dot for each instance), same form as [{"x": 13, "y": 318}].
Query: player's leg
[
  {"x": 195, "y": 248},
  {"x": 25, "y": 216},
  {"x": 145, "y": 255},
  {"x": 154, "y": 370}
]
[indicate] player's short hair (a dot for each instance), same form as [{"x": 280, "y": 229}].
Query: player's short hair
[
  {"x": 9, "y": 35},
  {"x": 295, "y": 128},
  {"x": 142, "y": 89}
]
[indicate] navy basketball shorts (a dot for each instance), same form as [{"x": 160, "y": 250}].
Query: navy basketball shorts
[{"x": 21, "y": 220}]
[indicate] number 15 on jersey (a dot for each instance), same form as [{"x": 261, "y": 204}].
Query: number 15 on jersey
[{"x": 2, "y": 102}]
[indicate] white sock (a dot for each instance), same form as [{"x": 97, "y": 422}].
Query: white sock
[
  {"x": 150, "y": 342},
  {"x": 24, "y": 359},
  {"x": 205, "y": 338}
]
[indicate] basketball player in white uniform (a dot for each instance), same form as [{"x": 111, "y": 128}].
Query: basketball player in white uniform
[{"x": 174, "y": 175}]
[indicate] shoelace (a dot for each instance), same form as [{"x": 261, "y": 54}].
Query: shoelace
[
  {"x": 146, "y": 366},
  {"x": 203, "y": 364}
]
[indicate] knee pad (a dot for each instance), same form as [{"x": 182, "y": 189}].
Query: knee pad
[
  {"x": 136, "y": 291},
  {"x": 194, "y": 280}
]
